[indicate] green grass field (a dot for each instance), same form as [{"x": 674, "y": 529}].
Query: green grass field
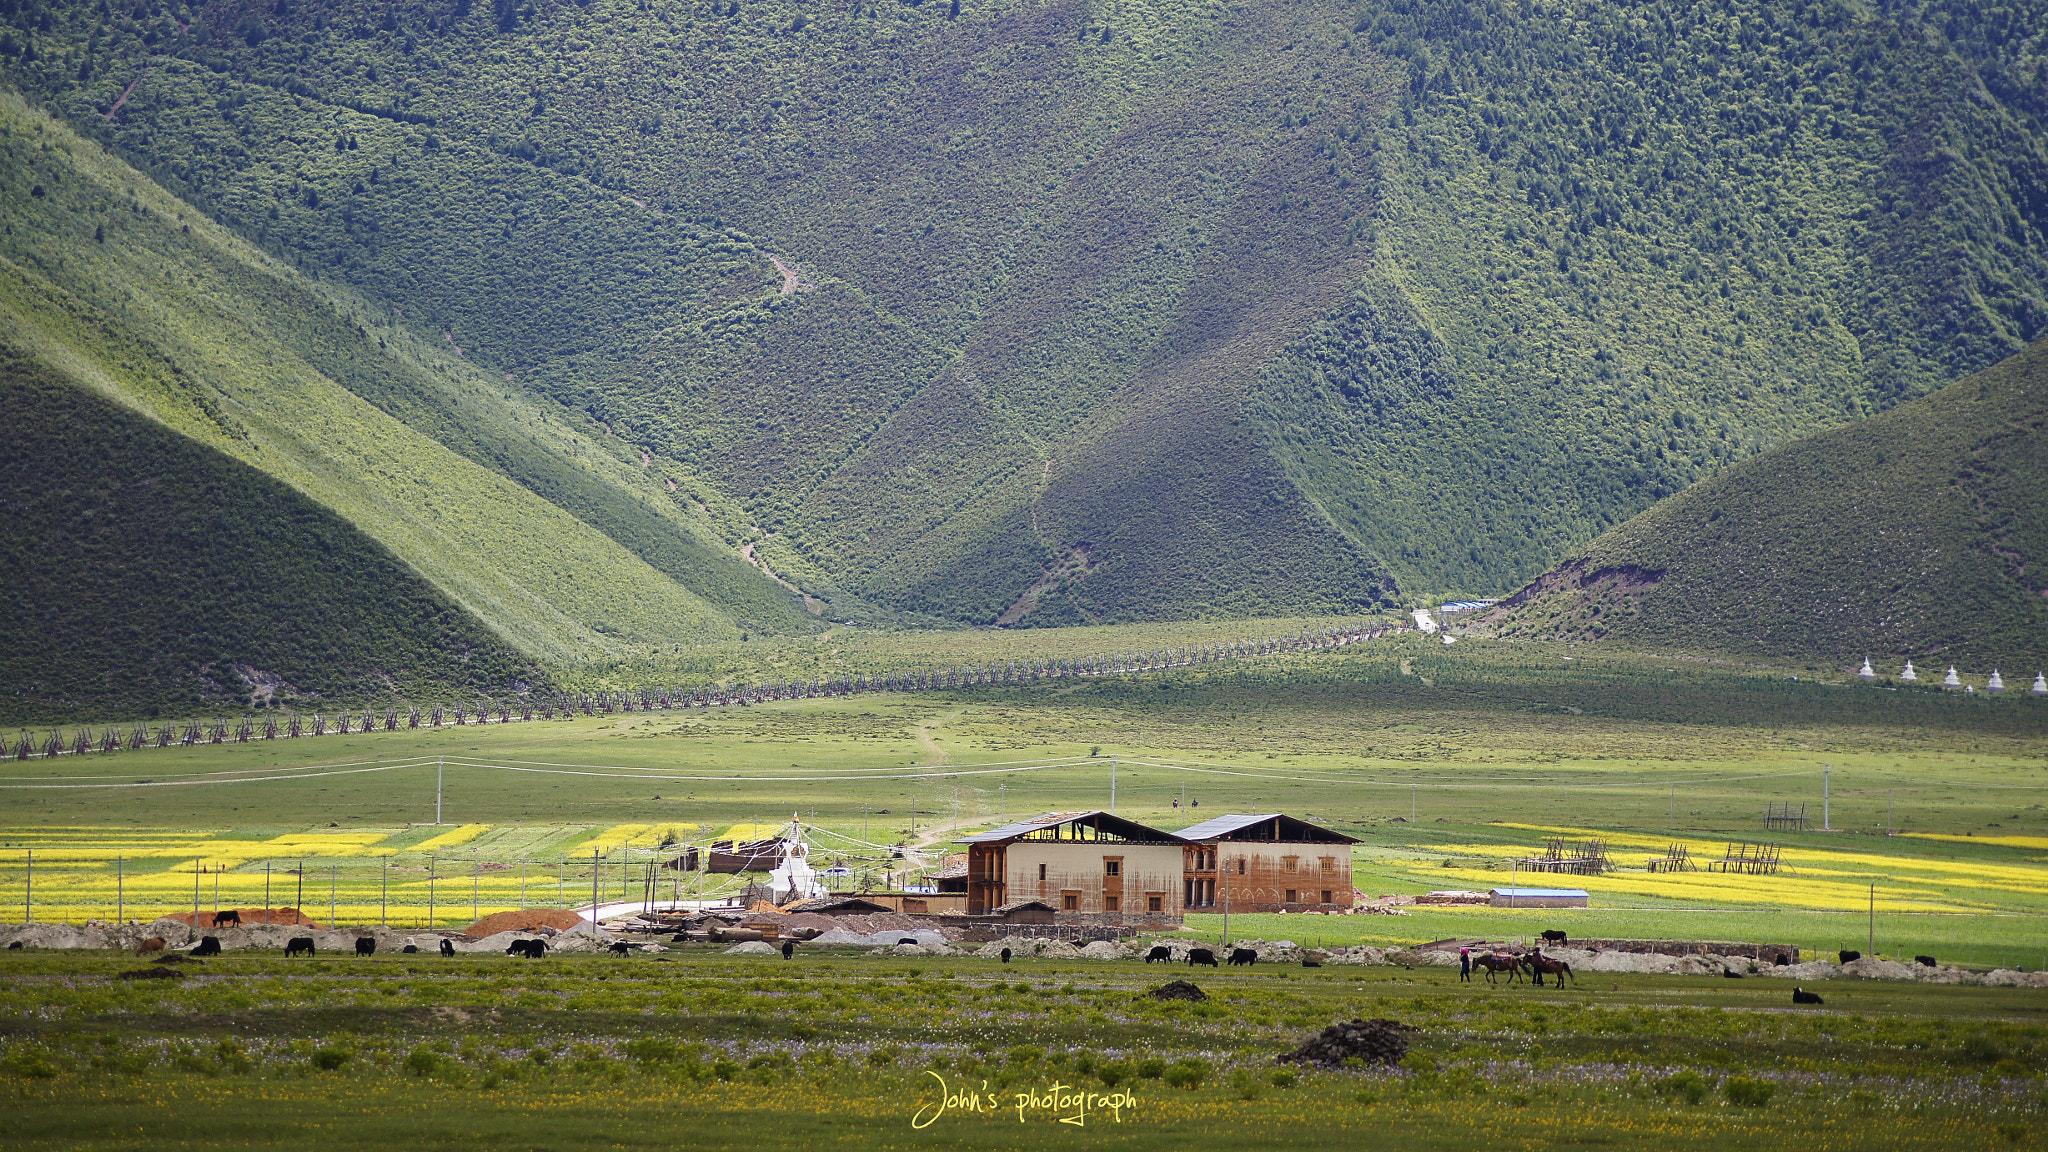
[
  {"x": 850, "y": 1052},
  {"x": 1491, "y": 748}
]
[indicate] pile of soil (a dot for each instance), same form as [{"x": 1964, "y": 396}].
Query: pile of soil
[
  {"x": 526, "y": 921},
  {"x": 1372, "y": 1041},
  {"x": 157, "y": 973},
  {"x": 1178, "y": 990},
  {"x": 251, "y": 918}
]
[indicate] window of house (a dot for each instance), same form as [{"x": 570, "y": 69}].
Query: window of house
[
  {"x": 1155, "y": 903},
  {"x": 1109, "y": 903},
  {"x": 1240, "y": 867},
  {"x": 1041, "y": 871},
  {"x": 1112, "y": 866},
  {"x": 1070, "y": 902},
  {"x": 1329, "y": 863},
  {"x": 1291, "y": 897},
  {"x": 1326, "y": 895},
  {"x": 1288, "y": 862}
]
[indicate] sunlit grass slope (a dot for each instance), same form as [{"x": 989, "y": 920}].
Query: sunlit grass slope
[
  {"x": 561, "y": 545},
  {"x": 1922, "y": 532}
]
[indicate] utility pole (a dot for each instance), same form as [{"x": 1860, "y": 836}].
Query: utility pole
[
  {"x": 1824, "y": 824},
  {"x": 120, "y": 890},
  {"x": 266, "y": 891},
  {"x": 299, "y": 902},
  {"x": 195, "y": 892},
  {"x": 1112, "y": 785},
  {"x": 430, "y": 891},
  {"x": 593, "y": 887},
  {"x": 440, "y": 768},
  {"x": 1887, "y": 811},
  {"x": 1870, "y": 947},
  {"x": 333, "y": 875},
  {"x": 384, "y": 901},
  {"x": 28, "y": 892}
]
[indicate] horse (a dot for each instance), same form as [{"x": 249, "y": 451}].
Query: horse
[
  {"x": 1540, "y": 965},
  {"x": 1497, "y": 962}
]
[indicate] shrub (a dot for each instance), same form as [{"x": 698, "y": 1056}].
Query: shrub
[
  {"x": 1187, "y": 1074},
  {"x": 30, "y": 1060},
  {"x": 1152, "y": 1067},
  {"x": 1115, "y": 1072},
  {"x": 1284, "y": 1077},
  {"x": 1687, "y": 1084},
  {"x": 1747, "y": 1092},
  {"x": 328, "y": 1059}
]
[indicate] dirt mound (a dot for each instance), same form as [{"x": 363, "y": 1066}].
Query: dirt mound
[
  {"x": 526, "y": 921},
  {"x": 1178, "y": 990},
  {"x": 1372, "y": 1041},
  {"x": 251, "y": 917},
  {"x": 157, "y": 973}
]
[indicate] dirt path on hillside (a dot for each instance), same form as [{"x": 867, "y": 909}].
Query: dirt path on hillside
[
  {"x": 815, "y": 605},
  {"x": 792, "y": 280}
]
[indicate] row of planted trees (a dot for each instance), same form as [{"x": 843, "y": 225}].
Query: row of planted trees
[{"x": 292, "y": 724}]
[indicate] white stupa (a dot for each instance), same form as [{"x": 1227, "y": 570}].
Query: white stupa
[
  {"x": 794, "y": 878},
  {"x": 1909, "y": 676},
  {"x": 1997, "y": 683},
  {"x": 1866, "y": 672},
  {"x": 2040, "y": 687},
  {"x": 1952, "y": 680}
]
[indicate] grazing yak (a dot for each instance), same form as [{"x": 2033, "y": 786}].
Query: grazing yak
[
  {"x": 1201, "y": 956},
  {"x": 14, "y": 945},
  {"x": 1006, "y": 955},
  {"x": 1783, "y": 961},
  {"x": 531, "y": 949},
  {"x": 447, "y": 947},
  {"x": 1242, "y": 956},
  {"x": 1308, "y": 961},
  {"x": 228, "y": 917},
  {"x": 901, "y": 940},
  {"x": 1161, "y": 953},
  {"x": 1802, "y": 996},
  {"x": 621, "y": 948},
  {"x": 1925, "y": 961},
  {"x": 1731, "y": 973},
  {"x": 409, "y": 949},
  {"x": 366, "y": 945},
  {"x": 208, "y": 946},
  {"x": 1849, "y": 957},
  {"x": 1555, "y": 937},
  {"x": 788, "y": 949},
  {"x": 298, "y": 944},
  {"x": 153, "y": 944}
]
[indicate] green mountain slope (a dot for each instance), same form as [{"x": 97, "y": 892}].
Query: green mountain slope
[
  {"x": 1922, "y": 532},
  {"x": 149, "y": 574},
  {"x": 559, "y": 543},
  {"x": 1118, "y": 311}
]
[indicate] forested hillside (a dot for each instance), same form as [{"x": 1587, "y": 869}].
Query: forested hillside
[
  {"x": 1062, "y": 312},
  {"x": 1919, "y": 533}
]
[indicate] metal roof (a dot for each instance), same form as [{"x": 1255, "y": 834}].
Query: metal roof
[
  {"x": 1221, "y": 826},
  {"x": 1218, "y": 827},
  {"x": 1117, "y": 825}
]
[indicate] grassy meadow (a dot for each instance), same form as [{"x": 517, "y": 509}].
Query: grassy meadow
[{"x": 852, "y": 1051}]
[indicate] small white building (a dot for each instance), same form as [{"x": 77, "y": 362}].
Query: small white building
[
  {"x": 1910, "y": 676},
  {"x": 1997, "y": 683},
  {"x": 1951, "y": 680},
  {"x": 1866, "y": 672}
]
